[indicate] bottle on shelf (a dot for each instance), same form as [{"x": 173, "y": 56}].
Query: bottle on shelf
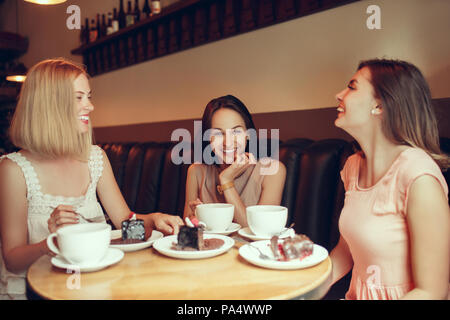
[
  {"x": 85, "y": 32},
  {"x": 146, "y": 11},
  {"x": 121, "y": 16},
  {"x": 103, "y": 27},
  {"x": 115, "y": 21},
  {"x": 109, "y": 28},
  {"x": 99, "y": 28},
  {"x": 130, "y": 15},
  {"x": 137, "y": 11},
  {"x": 156, "y": 6},
  {"x": 93, "y": 32}
]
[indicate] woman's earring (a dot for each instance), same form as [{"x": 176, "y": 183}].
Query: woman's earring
[{"x": 375, "y": 111}]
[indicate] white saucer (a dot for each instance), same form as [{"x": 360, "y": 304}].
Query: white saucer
[
  {"x": 247, "y": 233},
  {"x": 164, "y": 246},
  {"x": 252, "y": 255},
  {"x": 232, "y": 228},
  {"x": 134, "y": 246},
  {"x": 112, "y": 256}
]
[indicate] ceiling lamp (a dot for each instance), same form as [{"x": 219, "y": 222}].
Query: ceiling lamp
[
  {"x": 17, "y": 73},
  {"x": 46, "y": 2}
]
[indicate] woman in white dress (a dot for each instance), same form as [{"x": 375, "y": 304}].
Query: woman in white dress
[{"x": 53, "y": 180}]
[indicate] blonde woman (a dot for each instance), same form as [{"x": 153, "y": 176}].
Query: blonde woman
[
  {"x": 395, "y": 222},
  {"x": 53, "y": 180}
]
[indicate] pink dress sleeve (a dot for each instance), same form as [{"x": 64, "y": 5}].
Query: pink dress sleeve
[
  {"x": 350, "y": 171},
  {"x": 415, "y": 167}
]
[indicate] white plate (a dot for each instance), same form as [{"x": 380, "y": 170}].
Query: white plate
[
  {"x": 247, "y": 233},
  {"x": 232, "y": 228},
  {"x": 252, "y": 255},
  {"x": 112, "y": 256},
  {"x": 164, "y": 246},
  {"x": 134, "y": 246}
]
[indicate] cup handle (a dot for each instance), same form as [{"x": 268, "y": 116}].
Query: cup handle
[{"x": 51, "y": 245}]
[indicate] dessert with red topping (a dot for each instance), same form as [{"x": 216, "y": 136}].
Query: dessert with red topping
[{"x": 297, "y": 247}]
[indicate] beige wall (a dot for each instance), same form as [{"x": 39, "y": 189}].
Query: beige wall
[{"x": 299, "y": 64}]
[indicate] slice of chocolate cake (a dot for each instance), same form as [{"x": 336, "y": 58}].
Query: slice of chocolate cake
[
  {"x": 190, "y": 238},
  {"x": 133, "y": 229}
]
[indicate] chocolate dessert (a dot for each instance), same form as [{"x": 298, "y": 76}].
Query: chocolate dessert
[
  {"x": 297, "y": 247},
  {"x": 191, "y": 239},
  {"x": 133, "y": 230}
]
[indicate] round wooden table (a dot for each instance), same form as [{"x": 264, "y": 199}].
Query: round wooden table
[{"x": 147, "y": 274}]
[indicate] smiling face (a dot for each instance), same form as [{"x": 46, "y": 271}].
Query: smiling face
[
  {"x": 83, "y": 101},
  {"x": 356, "y": 103},
  {"x": 228, "y": 134}
]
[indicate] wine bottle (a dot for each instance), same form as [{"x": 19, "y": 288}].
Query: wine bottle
[
  {"x": 109, "y": 28},
  {"x": 156, "y": 7},
  {"x": 99, "y": 28},
  {"x": 103, "y": 27},
  {"x": 137, "y": 12},
  {"x": 130, "y": 15},
  {"x": 146, "y": 9},
  {"x": 115, "y": 21},
  {"x": 86, "y": 32},
  {"x": 121, "y": 16},
  {"x": 93, "y": 32}
]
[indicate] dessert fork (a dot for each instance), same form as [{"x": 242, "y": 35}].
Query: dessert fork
[{"x": 261, "y": 254}]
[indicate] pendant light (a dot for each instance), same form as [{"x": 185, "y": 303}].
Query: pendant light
[{"x": 46, "y": 2}]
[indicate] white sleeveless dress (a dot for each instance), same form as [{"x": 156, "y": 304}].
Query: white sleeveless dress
[{"x": 40, "y": 207}]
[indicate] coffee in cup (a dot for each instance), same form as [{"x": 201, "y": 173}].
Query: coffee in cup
[
  {"x": 266, "y": 220},
  {"x": 81, "y": 244},
  {"x": 217, "y": 216}
]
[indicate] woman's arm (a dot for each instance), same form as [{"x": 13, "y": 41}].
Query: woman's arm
[
  {"x": 17, "y": 253},
  {"x": 428, "y": 219},
  {"x": 273, "y": 184},
  {"x": 118, "y": 210},
  {"x": 191, "y": 191},
  {"x": 342, "y": 261}
]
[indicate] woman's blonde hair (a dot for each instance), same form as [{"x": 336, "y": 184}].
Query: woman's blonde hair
[{"x": 45, "y": 121}]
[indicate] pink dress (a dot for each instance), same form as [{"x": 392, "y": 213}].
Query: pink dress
[{"x": 373, "y": 223}]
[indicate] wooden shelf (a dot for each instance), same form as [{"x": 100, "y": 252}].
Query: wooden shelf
[{"x": 191, "y": 23}]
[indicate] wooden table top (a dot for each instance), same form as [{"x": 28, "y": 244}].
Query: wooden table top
[{"x": 147, "y": 274}]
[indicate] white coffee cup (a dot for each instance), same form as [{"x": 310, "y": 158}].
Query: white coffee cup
[
  {"x": 217, "y": 216},
  {"x": 266, "y": 220},
  {"x": 81, "y": 244}
]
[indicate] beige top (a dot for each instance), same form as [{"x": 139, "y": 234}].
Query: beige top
[{"x": 248, "y": 184}]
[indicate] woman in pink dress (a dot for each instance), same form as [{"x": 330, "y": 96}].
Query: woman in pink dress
[{"x": 395, "y": 222}]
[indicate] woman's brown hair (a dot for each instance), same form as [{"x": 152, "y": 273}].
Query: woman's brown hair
[{"x": 408, "y": 115}]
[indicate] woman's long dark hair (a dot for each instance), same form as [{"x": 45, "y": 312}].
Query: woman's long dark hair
[{"x": 408, "y": 115}]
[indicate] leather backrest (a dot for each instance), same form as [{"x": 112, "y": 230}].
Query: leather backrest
[{"x": 317, "y": 188}]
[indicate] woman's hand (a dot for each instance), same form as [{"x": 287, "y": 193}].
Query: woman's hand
[
  {"x": 242, "y": 162},
  {"x": 61, "y": 216},
  {"x": 193, "y": 205},
  {"x": 166, "y": 223}
]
